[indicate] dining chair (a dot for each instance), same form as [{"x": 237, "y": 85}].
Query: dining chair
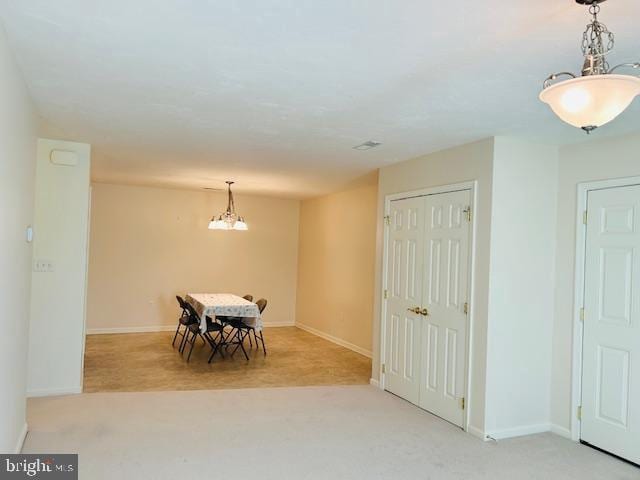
[
  {"x": 183, "y": 321},
  {"x": 246, "y": 330},
  {"x": 262, "y": 304},
  {"x": 249, "y": 297},
  {"x": 237, "y": 333},
  {"x": 194, "y": 332}
]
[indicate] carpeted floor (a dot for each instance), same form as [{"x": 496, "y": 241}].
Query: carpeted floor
[
  {"x": 140, "y": 362},
  {"x": 341, "y": 432}
]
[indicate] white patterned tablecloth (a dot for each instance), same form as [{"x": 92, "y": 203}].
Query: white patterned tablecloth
[{"x": 226, "y": 305}]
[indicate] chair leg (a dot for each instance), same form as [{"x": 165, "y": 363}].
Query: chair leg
[
  {"x": 183, "y": 341},
  {"x": 262, "y": 340},
  {"x": 240, "y": 344},
  {"x": 214, "y": 346},
  {"x": 192, "y": 342},
  {"x": 250, "y": 342},
  {"x": 225, "y": 337},
  {"x": 220, "y": 342},
  {"x": 176, "y": 335}
]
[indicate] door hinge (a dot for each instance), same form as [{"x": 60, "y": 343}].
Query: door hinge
[
  {"x": 467, "y": 212},
  {"x": 466, "y": 308},
  {"x": 579, "y": 413},
  {"x": 386, "y": 294},
  {"x": 582, "y": 314},
  {"x": 462, "y": 404},
  {"x": 383, "y": 368},
  {"x": 387, "y": 219},
  {"x": 584, "y": 217}
]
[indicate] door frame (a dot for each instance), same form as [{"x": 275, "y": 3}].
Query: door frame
[
  {"x": 579, "y": 283},
  {"x": 472, "y": 186}
]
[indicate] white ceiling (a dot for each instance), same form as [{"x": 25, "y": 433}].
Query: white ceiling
[{"x": 274, "y": 93}]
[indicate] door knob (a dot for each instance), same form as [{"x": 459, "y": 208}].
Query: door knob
[
  {"x": 415, "y": 310},
  {"x": 424, "y": 312}
]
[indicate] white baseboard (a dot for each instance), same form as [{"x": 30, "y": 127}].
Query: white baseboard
[
  {"x": 520, "y": 431},
  {"x": 476, "y": 432},
  {"x": 336, "y": 340},
  {"x": 558, "y": 430},
  {"x": 53, "y": 392},
  {"x": 152, "y": 328},
  {"x": 374, "y": 382},
  {"x": 161, "y": 328},
  {"x": 279, "y": 324},
  {"x": 21, "y": 439}
]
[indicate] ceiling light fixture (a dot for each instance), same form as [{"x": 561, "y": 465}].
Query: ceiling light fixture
[
  {"x": 367, "y": 145},
  {"x": 598, "y": 95},
  {"x": 228, "y": 220}
]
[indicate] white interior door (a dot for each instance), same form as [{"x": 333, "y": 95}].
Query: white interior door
[
  {"x": 404, "y": 290},
  {"x": 445, "y": 293},
  {"x": 427, "y": 290},
  {"x": 611, "y": 342}
]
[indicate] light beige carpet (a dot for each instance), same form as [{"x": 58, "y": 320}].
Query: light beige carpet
[{"x": 355, "y": 432}]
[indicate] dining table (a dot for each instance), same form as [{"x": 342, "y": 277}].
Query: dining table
[{"x": 224, "y": 305}]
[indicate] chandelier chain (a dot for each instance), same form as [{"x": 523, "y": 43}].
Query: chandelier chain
[{"x": 597, "y": 40}]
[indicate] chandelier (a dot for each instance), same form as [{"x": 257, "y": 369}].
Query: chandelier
[
  {"x": 598, "y": 95},
  {"x": 228, "y": 220}
]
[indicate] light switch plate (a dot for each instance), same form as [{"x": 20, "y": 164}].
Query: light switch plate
[{"x": 43, "y": 265}]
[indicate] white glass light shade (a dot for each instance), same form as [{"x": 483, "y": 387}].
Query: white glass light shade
[
  {"x": 240, "y": 224},
  {"x": 218, "y": 224},
  {"x": 593, "y": 100}
]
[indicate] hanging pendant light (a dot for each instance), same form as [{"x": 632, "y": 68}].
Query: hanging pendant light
[
  {"x": 228, "y": 220},
  {"x": 598, "y": 95}
]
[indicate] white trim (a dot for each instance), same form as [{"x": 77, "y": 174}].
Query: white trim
[
  {"x": 54, "y": 392},
  {"x": 519, "y": 431},
  {"x": 581, "y": 238},
  {"x": 86, "y": 286},
  {"x": 558, "y": 430},
  {"x": 423, "y": 192},
  {"x": 278, "y": 324},
  {"x": 476, "y": 432},
  {"x": 374, "y": 383},
  {"x": 472, "y": 186},
  {"x": 164, "y": 328},
  {"x": 153, "y": 328},
  {"x": 21, "y": 438},
  {"x": 336, "y": 340}
]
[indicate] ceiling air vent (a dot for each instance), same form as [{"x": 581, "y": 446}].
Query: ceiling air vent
[{"x": 367, "y": 145}]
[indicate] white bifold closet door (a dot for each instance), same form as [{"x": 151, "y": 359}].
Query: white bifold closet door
[
  {"x": 611, "y": 342},
  {"x": 427, "y": 284},
  {"x": 404, "y": 286}
]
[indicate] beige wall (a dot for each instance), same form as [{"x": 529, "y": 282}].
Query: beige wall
[
  {"x": 597, "y": 159},
  {"x": 18, "y": 130},
  {"x": 149, "y": 244},
  {"x": 461, "y": 164},
  {"x": 336, "y": 264}
]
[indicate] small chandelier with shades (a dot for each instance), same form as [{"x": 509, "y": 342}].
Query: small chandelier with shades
[
  {"x": 599, "y": 95},
  {"x": 228, "y": 220}
]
